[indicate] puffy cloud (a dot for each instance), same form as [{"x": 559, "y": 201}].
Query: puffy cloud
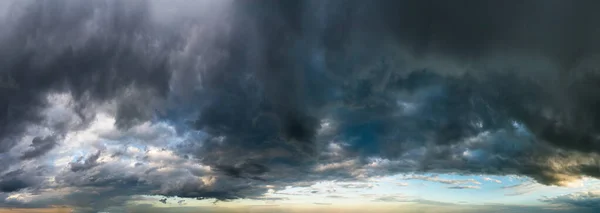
[
  {"x": 39, "y": 146},
  {"x": 88, "y": 163}
]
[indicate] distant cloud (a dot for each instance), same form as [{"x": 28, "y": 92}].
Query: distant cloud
[
  {"x": 492, "y": 180},
  {"x": 464, "y": 187},
  {"x": 402, "y": 184},
  {"x": 409, "y": 199},
  {"x": 521, "y": 188},
  {"x": 327, "y": 204},
  {"x": 357, "y": 185},
  {"x": 589, "y": 199},
  {"x": 441, "y": 180},
  {"x": 164, "y": 200},
  {"x": 394, "y": 199}
]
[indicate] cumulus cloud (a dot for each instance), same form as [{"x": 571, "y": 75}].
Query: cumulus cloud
[
  {"x": 218, "y": 99},
  {"x": 39, "y": 146}
]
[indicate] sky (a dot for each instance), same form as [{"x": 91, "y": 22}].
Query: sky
[{"x": 299, "y": 106}]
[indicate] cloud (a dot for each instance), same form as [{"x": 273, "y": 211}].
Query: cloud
[
  {"x": 521, "y": 188},
  {"x": 19, "y": 179},
  {"x": 89, "y": 162},
  {"x": 408, "y": 199},
  {"x": 492, "y": 180},
  {"x": 441, "y": 180},
  {"x": 73, "y": 57},
  {"x": 394, "y": 199},
  {"x": 217, "y": 100},
  {"x": 12, "y": 185},
  {"x": 579, "y": 199},
  {"x": 39, "y": 147},
  {"x": 356, "y": 185},
  {"x": 327, "y": 204},
  {"x": 464, "y": 187}
]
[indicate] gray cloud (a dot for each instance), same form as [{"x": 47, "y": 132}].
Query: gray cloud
[
  {"x": 67, "y": 47},
  {"x": 388, "y": 104},
  {"x": 580, "y": 199},
  {"x": 292, "y": 92},
  {"x": 463, "y": 187},
  {"x": 39, "y": 146},
  {"x": 89, "y": 162},
  {"x": 19, "y": 179}
]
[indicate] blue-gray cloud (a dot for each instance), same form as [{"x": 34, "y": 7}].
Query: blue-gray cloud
[
  {"x": 219, "y": 99},
  {"x": 590, "y": 199},
  {"x": 39, "y": 146}
]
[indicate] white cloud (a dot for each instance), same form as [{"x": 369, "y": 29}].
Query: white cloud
[{"x": 492, "y": 180}]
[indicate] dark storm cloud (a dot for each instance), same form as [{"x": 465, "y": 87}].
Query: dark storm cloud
[
  {"x": 16, "y": 180},
  {"x": 245, "y": 169},
  {"x": 79, "y": 48},
  {"x": 12, "y": 185},
  {"x": 292, "y": 92},
  {"x": 87, "y": 163},
  {"x": 395, "y": 77},
  {"x": 451, "y": 107},
  {"x": 39, "y": 146}
]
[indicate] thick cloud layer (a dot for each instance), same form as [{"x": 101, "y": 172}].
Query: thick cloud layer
[{"x": 218, "y": 99}]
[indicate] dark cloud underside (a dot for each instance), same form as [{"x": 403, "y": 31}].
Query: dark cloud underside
[{"x": 289, "y": 92}]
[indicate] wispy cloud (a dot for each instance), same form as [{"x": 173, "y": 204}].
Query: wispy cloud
[
  {"x": 326, "y": 204},
  {"x": 464, "y": 187},
  {"x": 402, "y": 184},
  {"x": 437, "y": 179},
  {"x": 492, "y": 180},
  {"x": 521, "y": 188}
]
